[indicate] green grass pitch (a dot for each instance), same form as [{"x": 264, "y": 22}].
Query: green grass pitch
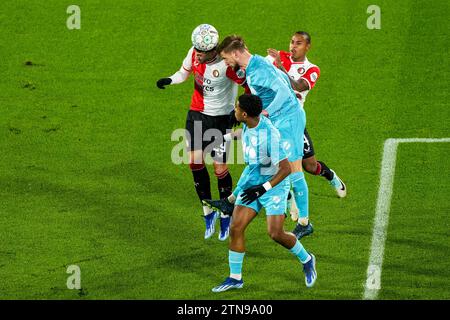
[{"x": 86, "y": 177}]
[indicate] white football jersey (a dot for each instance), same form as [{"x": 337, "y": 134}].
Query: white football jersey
[
  {"x": 215, "y": 85},
  {"x": 296, "y": 70}
]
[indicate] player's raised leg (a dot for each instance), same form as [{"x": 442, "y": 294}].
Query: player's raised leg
[
  {"x": 242, "y": 216},
  {"x": 319, "y": 168}
]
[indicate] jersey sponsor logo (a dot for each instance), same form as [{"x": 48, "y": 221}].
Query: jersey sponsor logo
[
  {"x": 205, "y": 83},
  {"x": 251, "y": 153},
  {"x": 276, "y": 199},
  {"x": 301, "y": 70},
  {"x": 216, "y": 73},
  {"x": 314, "y": 76}
]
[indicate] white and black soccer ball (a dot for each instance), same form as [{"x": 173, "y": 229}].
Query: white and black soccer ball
[{"x": 205, "y": 37}]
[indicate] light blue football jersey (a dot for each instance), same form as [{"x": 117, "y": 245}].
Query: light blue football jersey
[
  {"x": 279, "y": 100},
  {"x": 263, "y": 151},
  {"x": 272, "y": 86}
]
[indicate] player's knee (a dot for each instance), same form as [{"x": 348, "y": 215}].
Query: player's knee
[
  {"x": 236, "y": 230},
  {"x": 275, "y": 234},
  {"x": 196, "y": 157}
]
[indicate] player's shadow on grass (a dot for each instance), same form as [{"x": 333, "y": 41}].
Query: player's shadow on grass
[
  {"x": 197, "y": 256},
  {"x": 100, "y": 207}
]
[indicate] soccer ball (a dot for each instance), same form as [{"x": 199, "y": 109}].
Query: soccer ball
[{"x": 205, "y": 37}]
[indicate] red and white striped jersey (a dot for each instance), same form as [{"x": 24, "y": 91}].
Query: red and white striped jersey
[
  {"x": 215, "y": 85},
  {"x": 296, "y": 70}
]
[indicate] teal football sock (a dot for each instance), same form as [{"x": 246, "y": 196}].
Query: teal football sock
[
  {"x": 235, "y": 260},
  {"x": 300, "y": 252},
  {"x": 300, "y": 193}
]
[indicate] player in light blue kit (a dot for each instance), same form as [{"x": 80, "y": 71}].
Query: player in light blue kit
[
  {"x": 281, "y": 106},
  {"x": 263, "y": 184}
]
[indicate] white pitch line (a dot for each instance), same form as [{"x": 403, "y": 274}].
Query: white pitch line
[{"x": 373, "y": 282}]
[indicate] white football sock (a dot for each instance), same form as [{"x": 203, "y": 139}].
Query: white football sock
[
  {"x": 303, "y": 221},
  {"x": 236, "y": 276}
]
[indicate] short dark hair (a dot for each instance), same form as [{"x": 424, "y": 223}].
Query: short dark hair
[
  {"x": 251, "y": 104},
  {"x": 305, "y": 35},
  {"x": 231, "y": 43}
]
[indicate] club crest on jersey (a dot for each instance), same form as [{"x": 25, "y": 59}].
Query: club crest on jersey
[
  {"x": 216, "y": 73},
  {"x": 301, "y": 70}
]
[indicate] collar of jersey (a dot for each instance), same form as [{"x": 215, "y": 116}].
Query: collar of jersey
[
  {"x": 212, "y": 60},
  {"x": 254, "y": 128},
  {"x": 249, "y": 62},
  {"x": 300, "y": 62}
]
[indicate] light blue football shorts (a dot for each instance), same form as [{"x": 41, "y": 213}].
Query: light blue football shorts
[
  {"x": 291, "y": 130},
  {"x": 274, "y": 200}
]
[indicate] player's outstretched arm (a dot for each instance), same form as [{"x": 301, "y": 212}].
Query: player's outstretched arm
[
  {"x": 251, "y": 194},
  {"x": 298, "y": 85},
  {"x": 178, "y": 77}
]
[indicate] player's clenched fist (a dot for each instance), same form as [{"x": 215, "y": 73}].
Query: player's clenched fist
[
  {"x": 276, "y": 55},
  {"x": 163, "y": 82},
  {"x": 251, "y": 194}
]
